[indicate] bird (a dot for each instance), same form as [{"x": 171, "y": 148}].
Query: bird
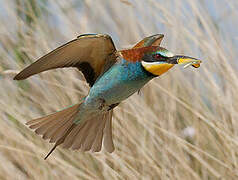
[{"x": 113, "y": 75}]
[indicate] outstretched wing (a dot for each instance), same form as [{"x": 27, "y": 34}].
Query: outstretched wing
[
  {"x": 153, "y": 40},
  {"x": 147, "y": 44},
  {"x": 90, "y": 53}
]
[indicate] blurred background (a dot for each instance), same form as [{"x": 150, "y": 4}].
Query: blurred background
[{"x": 183, "y": 125}]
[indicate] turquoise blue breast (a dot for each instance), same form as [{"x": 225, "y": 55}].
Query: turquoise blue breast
[{"x": 119, "y": 82}]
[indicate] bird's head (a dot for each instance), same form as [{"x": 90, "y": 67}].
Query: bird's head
[{"x": 160, "y": 60}]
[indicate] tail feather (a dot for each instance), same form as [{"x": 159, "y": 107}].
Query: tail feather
[
  {"x": 82, "y": 134},
  {"x": 38, "y": 120},
  {"x": 52, "y": 116},
  {"x": 97, "y": 145},
  {"x": 71, "y": 137},
  {"x": 39, "y": 124},
  {"x": 88, "y": 141},
  {"x": 107, "y": 141},
  {"x": 42, "y": 129},
  {"x": 61, "y": 140},
  {"x": 51, "y": 131},
  {"x": 58, "y": 133},
  {"x": 52, "y": 120},
  {"x": 61, "y": 130},
  {"x": 53, "y": 124}
]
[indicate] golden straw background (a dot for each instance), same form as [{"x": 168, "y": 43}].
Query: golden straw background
[{"x": 183, "y": 125}]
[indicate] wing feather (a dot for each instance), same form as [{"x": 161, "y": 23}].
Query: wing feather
[
  {"x": 153, "y": 40},
  {"x": 90, "y": 53}
]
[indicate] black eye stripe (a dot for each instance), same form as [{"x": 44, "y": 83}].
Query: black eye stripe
[
  {"x": 154, "y": 57},
  {"x": 157, "y": 56}
]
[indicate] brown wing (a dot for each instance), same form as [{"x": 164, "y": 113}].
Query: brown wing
[
  {"x": 153, "y": 40},
  {"x": 90, "y": 53}
]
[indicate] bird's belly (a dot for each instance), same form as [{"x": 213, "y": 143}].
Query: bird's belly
[
  {"x": 117, "y": 84},
  {"x": 115, "y": 92}
]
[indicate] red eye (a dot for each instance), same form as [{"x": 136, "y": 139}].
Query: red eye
[{"x": 157, "y": 56}]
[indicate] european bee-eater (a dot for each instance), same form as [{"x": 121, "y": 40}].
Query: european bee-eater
[{"x": 112, "y": 75}]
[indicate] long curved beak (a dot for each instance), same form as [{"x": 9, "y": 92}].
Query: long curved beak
[{"x": 186, "y": 60}]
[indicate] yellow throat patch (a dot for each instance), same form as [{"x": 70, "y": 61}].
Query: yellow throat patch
[{"x": 156, "y": 68}]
